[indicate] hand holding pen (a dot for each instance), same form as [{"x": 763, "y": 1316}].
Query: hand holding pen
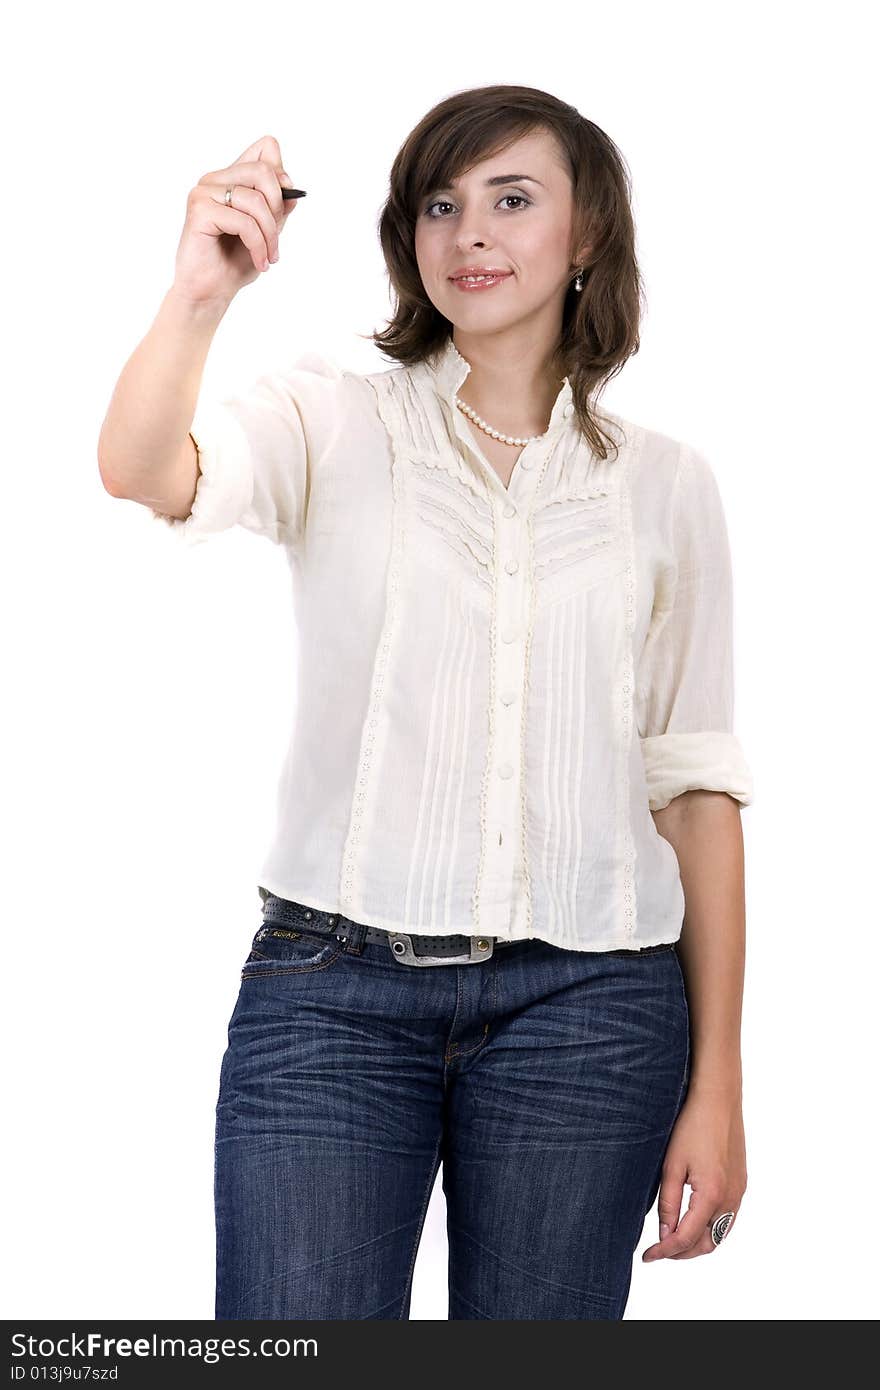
[{"x": 234, "y": 218}]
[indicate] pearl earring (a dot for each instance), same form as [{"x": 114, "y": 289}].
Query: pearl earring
[{"x": 579, "y": 280}]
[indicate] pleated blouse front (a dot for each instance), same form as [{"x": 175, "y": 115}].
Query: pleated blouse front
[{"x": 496, "y": 686}]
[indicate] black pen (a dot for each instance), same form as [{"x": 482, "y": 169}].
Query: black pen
[{"x": 293, "y": 193}]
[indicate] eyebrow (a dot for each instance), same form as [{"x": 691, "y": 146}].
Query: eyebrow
[{"x": 498, "y": 180}]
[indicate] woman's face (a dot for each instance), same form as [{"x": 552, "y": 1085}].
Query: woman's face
[{"x": 511, "y": 213}]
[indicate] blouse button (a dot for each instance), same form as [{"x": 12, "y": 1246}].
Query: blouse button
[
  {"x": 510, "y": 510},
  {"x": 511, "y": 566},
  {"x": 508, "y": 697},
  {"x": 509, "y": 635},
  {"x": 505, "y": 771}
]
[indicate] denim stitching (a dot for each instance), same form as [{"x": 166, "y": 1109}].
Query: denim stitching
[
  {"x": 291, "y": 969},
  {"x": 425, "y": 1200},
  {"x": 455, "y": 1057}
]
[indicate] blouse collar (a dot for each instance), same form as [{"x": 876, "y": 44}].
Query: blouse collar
[{"x": 448, "y": 371}]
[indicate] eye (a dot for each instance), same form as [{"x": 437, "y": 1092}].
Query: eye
[{"x": 508, "y": 197}]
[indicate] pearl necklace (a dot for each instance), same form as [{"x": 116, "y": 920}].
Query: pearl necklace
[{"x": 487, "y": 428}]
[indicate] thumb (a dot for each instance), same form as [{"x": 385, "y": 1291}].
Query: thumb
[
  {"x": 669, "y": 1203},
  {"x": 289, "y": 203}
]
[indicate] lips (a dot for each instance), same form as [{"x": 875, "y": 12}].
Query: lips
[{"x": 479, "y": 270}]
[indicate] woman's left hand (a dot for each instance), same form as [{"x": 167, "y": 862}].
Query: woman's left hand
[{"x": 707, "y": 1150}]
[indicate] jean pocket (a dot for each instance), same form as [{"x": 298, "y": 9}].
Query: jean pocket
[{"x": 277, "y": 950}]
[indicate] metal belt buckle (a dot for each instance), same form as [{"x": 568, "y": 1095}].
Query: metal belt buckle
[{"x": 402, "y": 948}]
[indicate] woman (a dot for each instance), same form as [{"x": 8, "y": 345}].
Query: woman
[{"x": 508, "y": 821}]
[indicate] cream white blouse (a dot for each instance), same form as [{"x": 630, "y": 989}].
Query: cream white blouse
[{"x": 498, "y": 685}]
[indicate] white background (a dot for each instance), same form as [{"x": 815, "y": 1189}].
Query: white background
[{"x": 147, "y": 699}]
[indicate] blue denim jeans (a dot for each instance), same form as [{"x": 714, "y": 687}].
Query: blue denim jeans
[{"x": 546, "y": 1082}]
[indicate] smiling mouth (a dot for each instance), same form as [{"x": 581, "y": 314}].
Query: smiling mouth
[
  {"x": 477, "y": 284},
  {"x": 479, "y": 276}
]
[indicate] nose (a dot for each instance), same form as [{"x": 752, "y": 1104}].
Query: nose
[
  {"x": 470, "y": 233},
  {"x": 465, "y": 244}
]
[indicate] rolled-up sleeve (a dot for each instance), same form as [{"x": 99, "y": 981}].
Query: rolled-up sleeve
[
  {"x": 685, "y": 675},
  {"x": 257, "y": 450}
]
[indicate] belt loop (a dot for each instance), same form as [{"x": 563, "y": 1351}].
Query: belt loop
[{"x": 355, "y": 933}]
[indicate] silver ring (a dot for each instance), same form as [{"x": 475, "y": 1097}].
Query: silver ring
[
  {"x": 228, "y": 199},
  {"x": 721, "y": 1225}
]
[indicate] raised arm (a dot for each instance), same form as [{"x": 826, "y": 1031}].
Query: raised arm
[{"x": 145, "y": 451}]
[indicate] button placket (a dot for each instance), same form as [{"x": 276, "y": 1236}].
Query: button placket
[{"x": 511, "y": 617}]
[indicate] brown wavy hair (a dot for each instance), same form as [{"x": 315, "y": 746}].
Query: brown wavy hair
[{"x": 600, "y": 324}]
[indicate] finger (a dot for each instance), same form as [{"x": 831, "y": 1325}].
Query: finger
[
  {"x": 704, "y": 1246},
  {"x": 237, "y": 222},
  {"x": 248, "y": 198},
  {"x": 700, "y": 1210},
  {"x": 288, "y": 204},
  {"x": 262, "y": 176},
  {"x": 266, "y": 178},
  {"x": 270, "y": 180},
  {"x": 669, "y": 1201},
  {"x": 266, "y": 147},
  {"x": 271, "y": 154},
  {"x": 254, "y": 173}
]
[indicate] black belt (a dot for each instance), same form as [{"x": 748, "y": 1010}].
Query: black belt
[{"x": 408, "y": 948}]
